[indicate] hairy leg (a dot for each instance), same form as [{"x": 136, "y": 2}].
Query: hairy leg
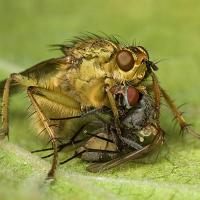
[
  {"x": 41, "y": 99},
  {"x": 4, "y": 131},
  {"x": 48, "y": 128},
  {"x": 178, "y": 115}
]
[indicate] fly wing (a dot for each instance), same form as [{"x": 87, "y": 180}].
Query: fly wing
[
  {"x": 40, "y": 73},
  {"x": 46, "y": 69},
  {"x": 121, "y": 159},
  {"x": 129, "y": 156}
]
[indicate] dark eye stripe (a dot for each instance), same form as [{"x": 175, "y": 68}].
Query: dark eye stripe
[{"x": 125, "y": 60}]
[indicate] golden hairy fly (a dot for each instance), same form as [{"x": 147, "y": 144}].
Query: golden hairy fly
[{"x": 83, "y": 80}]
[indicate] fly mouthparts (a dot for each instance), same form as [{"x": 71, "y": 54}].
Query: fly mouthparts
[{"x": 152, "y": 65}]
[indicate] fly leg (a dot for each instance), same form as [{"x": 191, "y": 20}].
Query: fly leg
[
  {"x": 21, "y": 81},
  {"x": 157, "y": 97},
  {"x": 34, "y": 94},
  {"x": 99, "y": 148},
  {"x": 71, "y": 142},
  {"x": 157, "y": 94},
  {"x": 42, "y": 100},
  {"x": 4, "y": 131},
  {"x": 178, "y": 115},
  {"x": 48, "y": 128},
  {"x": 116, "y": 135}
]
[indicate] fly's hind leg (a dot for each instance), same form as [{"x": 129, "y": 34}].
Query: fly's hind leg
[
  {"x": 17, "y": 79},
  {"x": 4, "y": 131},
  {"x": 178, "y": 115},
  {"x": 48, "y": 128},
  {"x": 5, "y": 117},
  {"x": 43, "y": 100},
  {"x": 35, "y": 93}
]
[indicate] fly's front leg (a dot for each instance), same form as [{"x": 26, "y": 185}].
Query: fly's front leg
[
  {"x": 178, "y": 115},
  {"x": 157, "y": 94},
  {"x": 116, "y": 118},
  {"x": 157, "y": 97}
]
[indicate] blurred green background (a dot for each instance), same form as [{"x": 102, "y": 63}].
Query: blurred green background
[{"x": 169, "y": 30}]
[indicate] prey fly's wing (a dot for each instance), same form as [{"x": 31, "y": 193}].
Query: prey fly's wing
[
  {"x": 99, "y": 167},
  {"x": 126, "y": 157}
]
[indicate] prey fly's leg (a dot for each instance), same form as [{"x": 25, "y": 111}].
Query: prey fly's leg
[
  {"x": 99, "y": 148},
  {"x": 178, "y": 115},
  {"x": 71, "y": 142},
  {"x": 4, "y": 131}
]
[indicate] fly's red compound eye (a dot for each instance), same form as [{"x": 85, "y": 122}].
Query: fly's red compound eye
[
  {"x": 125, "y": 60},
  {"x": 132, "y": 96}
]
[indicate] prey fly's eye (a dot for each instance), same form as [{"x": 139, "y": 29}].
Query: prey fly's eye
[{"x": 125, "y": 60}]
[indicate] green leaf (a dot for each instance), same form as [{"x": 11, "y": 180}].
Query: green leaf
[{"x": 175, "y": 175}]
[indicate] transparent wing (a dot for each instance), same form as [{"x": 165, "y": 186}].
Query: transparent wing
[{"x": 129, "y": 156}]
